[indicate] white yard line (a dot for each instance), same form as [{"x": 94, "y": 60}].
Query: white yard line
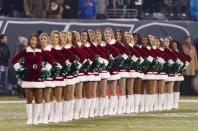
[{"x": 12, "y": 102}]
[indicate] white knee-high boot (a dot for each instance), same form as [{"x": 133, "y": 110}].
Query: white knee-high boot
[
  {"x": 102, "y": 103},
  {"x": 71, "y": 110},
  {"x": 160, "y": 101},
  {"x": 77, "y": 107},
  {"x": 29, "y": 113},
  {"x": 58, "y": 112},
  {"x": 147, "y": 102},
  {"x": 170, "y": 101},
  {"x": 128, "y": 104},
  {"x": 132, "y": 104},
  {"x": 52, "y": 111},
  {"x": 176, "y": 100},
  {"x": 152, "y": 102},
  {"x": 136, "y": 102},
  {"x": 115, "y": 109},
  {"x": 112, "y": 103},
  {"x": 142, "y": 103},
  {"x": 164, "y": 107},
  {"x": 66, "y": 107},
  {"x": 97, "y": 106},
  {"x": 124, "y": 105},
  {"x": 46, "y": 113},
  {"x": 87, "y": 108},
  {"x": 106, "y": 106},
  {"x": 120, "y": 104},
  {"x": 41, "y": 113},
  {"x": 37, "y": 108},
  {"x": 92, "y": 108},
  {"x": 82, "y": 109},
  {"x": 156, "y": 102}
]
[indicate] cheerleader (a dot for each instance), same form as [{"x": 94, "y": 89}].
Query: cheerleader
[
  {"x": 138, "y": 80},
  {"x": 48, "y": 61},
  {"x": 70, "y": 69},
  {"x": 58, "y": 77},
  {"x": 83, "y": 58},
  {"x": 149, "y": 76},
  {"x": 132, "y": 71},
  {"x": 183, "y": 61},
  {"x": 27, "y": 64},
  {"x": 162, "y": 76},
  {"x": 168, "y": 101},
  {"x": 123, "y": 70},
  {"x": 114, "y": 63},
  {"x": 93, "y": 76}
]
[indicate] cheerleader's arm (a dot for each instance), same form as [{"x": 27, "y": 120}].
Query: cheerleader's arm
[{"x": 16, "y": 58}]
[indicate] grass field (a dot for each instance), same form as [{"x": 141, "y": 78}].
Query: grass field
[{"x": 13, "y": 118}]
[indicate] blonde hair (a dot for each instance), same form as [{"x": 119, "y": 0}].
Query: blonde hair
[
  {"x": 46, "y": 35},
  {"x": 55, "y": 32},
  {"x": 131, "y": 36}
]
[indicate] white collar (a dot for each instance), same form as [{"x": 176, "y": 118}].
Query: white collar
[
  {"x": 154, "y": 47},
  {"x": 57, "y": 47},
  {"x": 140, "y": 46},
  {"x": 87, "y": 44},
  {"x": 47, "y": 48},
  {"x": 103, "y": 44},
  {"x": 131, "y": 45},
  {"x": 68, "y": 46},
  {"x": 148, "y": 47},
  {"x": 162, "y": 49},
  {"x": 29, "y": 49},
  {"x": 113, "y": 41}
]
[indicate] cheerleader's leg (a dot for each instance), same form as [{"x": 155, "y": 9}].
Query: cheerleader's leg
[
  {"x": 52, "y": 106},
  {"x": 153, "y": 98},
  {"x": 137, "y": 92},
  {"x": 88, "y": 100},
  {"x": 29, "y": 105},
  {"x": 38, "y": 94},
  {"x": 176, "y": 94},
  {"x": 58, "y": 105},
  {"x": 102, "y": 101},
  {"x": 47, "y": 94},
  {"x": 122, "y": 95},
  {"x": 130, "y": 95},
  {"x": 142, "y": 97},
  {"x": 170, "y": 95},
  {"x": 113, "y": 97},
  {"x": 160, "y": 85},
  {"x": 148, "y": 96},
  {"x": 96, "y": 110},
  {"x": 93, "y": 99},
  {"x": 79, "y": 100}
]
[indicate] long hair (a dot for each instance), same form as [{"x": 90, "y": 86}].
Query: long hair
[{"x": 122, "y": 35}]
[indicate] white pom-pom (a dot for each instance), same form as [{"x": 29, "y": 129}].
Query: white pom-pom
[{"x": 17, "y": 66}]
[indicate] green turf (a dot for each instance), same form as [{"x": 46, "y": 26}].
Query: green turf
[{"x": 13, "y": 118}]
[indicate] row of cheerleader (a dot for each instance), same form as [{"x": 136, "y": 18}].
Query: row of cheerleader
[{"x": 97, "y": 73}]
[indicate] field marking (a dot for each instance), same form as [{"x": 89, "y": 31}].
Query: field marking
[{"x": 181, "y": 101}]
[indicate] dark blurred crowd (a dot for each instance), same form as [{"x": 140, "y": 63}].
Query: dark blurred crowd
[{"x": 90, "y": 9}]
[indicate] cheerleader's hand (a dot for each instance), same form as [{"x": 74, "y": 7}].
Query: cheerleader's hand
[
  {"x": 160, "y": 60},
  {"x": 17, "y": 66},
  {"x": 134, "y": 58},
  {"x": 111, "y": 57},
  {"x": 101, "y": 60},
  {"x": 141, "y": 59},
  {"x": 59, "y": 65},
  {"x": 106, "y": 62},
  {"x": 84, "y": 61},
  {"x": 90, "y": 61},
  {"x": 67, "y": 62},
  {"x": 171, "y": 61}
]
